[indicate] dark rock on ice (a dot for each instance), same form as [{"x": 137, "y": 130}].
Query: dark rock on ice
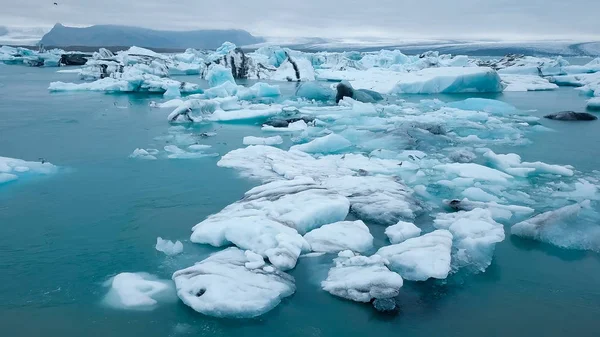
[
  {"x": 345, "y": 89},
  {"x": 571, "y": 116},
  {"x": 74, "y": 59}
]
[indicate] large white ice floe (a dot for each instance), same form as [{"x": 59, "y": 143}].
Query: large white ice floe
[
  {"x": 131, "y": 80},
  {"x": 475, "y": 235},
  {"x": 12, "y": 169},
  {"x": 363, "y": 279},
  {"x": 339, "y": 236},
  {"x": 140, "y": 291},
  {"x": 421, "y": 258},
  {"x": 449, "y": 80},
  {"x": 475, "y": 171},
  {"x": 328, "y": 144},
  {"x": 270, "y": 217},
  {"x": 511, "y": 164},
  {"x": 169, "y": 247},
  {"x": 373, "y": 197},
  {"x": 526, "y": 83},
  {"x": 573, "y": 227},
  {"x": 402, "y": 231},
  {"x": 222, "y": 286}
]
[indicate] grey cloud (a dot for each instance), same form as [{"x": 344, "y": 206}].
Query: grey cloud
[{"x": 326, "y": 18}]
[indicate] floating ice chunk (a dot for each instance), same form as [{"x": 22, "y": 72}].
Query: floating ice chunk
[
  {"x": 328, "y": 144},
  {"x": 362, "y": 279},
  {"x": 421, "y": 258},
  {"x": 482, "y": 104},
  {"x": 380, "y": 199},
  {"x": 475, "y": 234},
  {"x": 258, "y": 112},
  {"x": 338, "y": 236},
  {"x": 583, "y": 189},
  {"x": 511, "y": 164},
  {"x": 204, "y": 107},
  {"x": 172, "y": 91},
  {"x": 12, "y": 169},
  {"x": 476, "y": 193},
  {"x": 199, "y": 147},
  {"x": 140, "y": 291},
  {"x": 560, "y": 228},
  {"x": 255, "y": 261},
  {"x": 269, "y": 218},
  {"x": 169, "y": 247},
  {"x": 295, "y": 126},
  {"x": 258, "y": 90},
  {"x": 315, "y": 91},
  {"x": 250, "y": 140},
  {"x": 593, "y": 103},
  {"x": 402, "y": 231},
  {"x": 449, "y": 80},
  {"x": 475, "y": 171},
  {"x": 218, "y": 74},
  {"x": 141, "y": 154},
  {"x": 526, "y": 83},
  {"x": 222, "y": 286}
]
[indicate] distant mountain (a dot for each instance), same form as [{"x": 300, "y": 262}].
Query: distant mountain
[{"x": 111, "y": 35}]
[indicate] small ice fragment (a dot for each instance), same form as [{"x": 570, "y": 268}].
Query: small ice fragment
[
  {"x": 402, "y": 231},
  {"x": 250, "y": 140},
  {"x": 169, "y": 247}
]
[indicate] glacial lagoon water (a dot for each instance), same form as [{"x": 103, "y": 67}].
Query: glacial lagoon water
[{"x": 63, "y": 236}]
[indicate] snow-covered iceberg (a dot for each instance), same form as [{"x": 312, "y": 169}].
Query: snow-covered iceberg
[
  {"x": 363, "y": 279},
  {"x": 339, "y": 236},
  {"x": 475, "y": 235},
  {"x": 270, "y": 218},
  {"x": 222, "y": 286},
  {"x": 449, "y": 80},
  {"x": 421, "y": 258},
  {"x": 568, "y": 227},
  {"x": 168, "y": 247},
  {"x": 139, "y": 291},
  {"x": 402, "y": 231}
]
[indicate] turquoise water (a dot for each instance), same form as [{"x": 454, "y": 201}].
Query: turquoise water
[{"x": 62, "y": 236}]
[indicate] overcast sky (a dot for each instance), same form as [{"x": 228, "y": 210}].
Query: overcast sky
[{"x": 505, "y": 19}]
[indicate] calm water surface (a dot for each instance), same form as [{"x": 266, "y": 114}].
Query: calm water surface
[{"x": 62, "y": 236}]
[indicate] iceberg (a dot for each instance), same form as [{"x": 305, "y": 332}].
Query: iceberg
[
  {"x": 339, "y": 236},
  {"x": 402, "y": 231},
  {"x": 421, "y": 258},
  {"x": 593, "y": 103},
  {"x": 363, "y": 279},
  {"x": 475, "y": 235},
  {"x": 217, "y": 75},
  {"x": 328, "y": 144},
  {"x": 567, "y": 227},
  {"x": 449, "y": 80},
  {"x": 526, "y": 83},
  {"x": 168, "y": 247},
  {"x": 12, "y": 169},
  {"x": 475, "y": 171},
  {"x": 315, "y": 91},
  {"x": 250, "y": 140},
  {"x": 271, "y": 217},
  {"x": 222, "y": 286},
  {"x": 139, "y": 291},
  {"x": 511, "y": 164}
]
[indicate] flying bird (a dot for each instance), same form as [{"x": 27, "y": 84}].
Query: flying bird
[{"x": 55, "y": 4}]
